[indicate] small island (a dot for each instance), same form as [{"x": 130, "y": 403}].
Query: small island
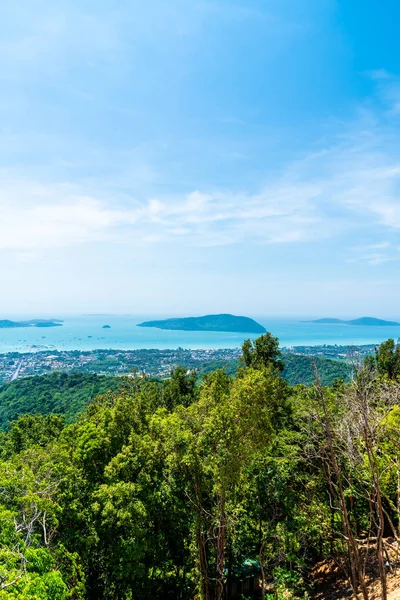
[
  {"x": 7, "y": 324},
  {"x": 365, "y": 321},
  {"x": 106, "y": 326},
  {"x": 224, "y": 322}
]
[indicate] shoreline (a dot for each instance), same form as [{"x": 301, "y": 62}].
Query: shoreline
[{"x": 290, "y": 349}]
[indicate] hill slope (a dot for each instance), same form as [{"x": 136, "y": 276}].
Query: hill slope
[
  {"x": 57, "y": 393},
  {"x": 67, "y": 394},
  {"x": 297, "y": 369},
  {"x": 300, "y": 369}
]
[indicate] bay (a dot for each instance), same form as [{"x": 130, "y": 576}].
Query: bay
[{"x": 87, "y": 333}]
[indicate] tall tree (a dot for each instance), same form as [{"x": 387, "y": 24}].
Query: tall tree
[{"x": 262, "y": 352}]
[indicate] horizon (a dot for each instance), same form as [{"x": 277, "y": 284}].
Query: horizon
[
  {"x": 154, "y": 316},
  {"x": 176, "y": 158}
]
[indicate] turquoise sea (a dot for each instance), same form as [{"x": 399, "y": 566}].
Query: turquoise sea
[{"x": 87, "y": 333}]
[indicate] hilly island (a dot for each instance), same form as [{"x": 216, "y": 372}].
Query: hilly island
[
  {"x": 7, "y": 324},
  {"x": 224, "y": 322},
  {"x": 364, "y": 321}
]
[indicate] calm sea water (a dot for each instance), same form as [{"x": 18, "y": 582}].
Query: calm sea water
[{"x": 87, "y": 333}]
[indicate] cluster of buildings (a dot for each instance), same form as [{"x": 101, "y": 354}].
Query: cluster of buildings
[
  {"x": 152, "y": 362},
  {"x": 111, "y": 362}
]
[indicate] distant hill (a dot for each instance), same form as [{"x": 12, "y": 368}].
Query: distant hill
[
  {"x": 365, "y": 321},
  {"x": 301, "y": 369},
  {"x": 68, "y": 394},
  {"x": 7, "y": 324},
  {"x": 370, "y": 321},
  {"x": 298, "y": 368},
  {"x": 224, "y": 322},
  {"x": 327, "y": 320},
  {"x": 58, "y": 393}
]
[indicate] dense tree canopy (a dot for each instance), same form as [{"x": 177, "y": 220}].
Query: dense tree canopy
[
  {"x": 68, "y": 394},
  {"x": 58, "y": 393},
  {"x": 181, "y": 488}
]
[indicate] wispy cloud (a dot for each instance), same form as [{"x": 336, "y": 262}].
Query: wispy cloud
[
  {"x": 42, "y": 39},
  {"x": 347, "y": 185},
  {"x": 351, "y": 185},
  {"x": 374, "y": 254}
]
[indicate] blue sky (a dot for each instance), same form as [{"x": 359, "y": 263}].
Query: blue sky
[{"x": 197, "y": 156}]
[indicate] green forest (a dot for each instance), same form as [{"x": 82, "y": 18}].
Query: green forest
[
  {"x": 68, "y": 393},
  {"x": 58, "y": 393},
  {"x": 227, "y": 486},
  {"x": 297, "y": 368}
]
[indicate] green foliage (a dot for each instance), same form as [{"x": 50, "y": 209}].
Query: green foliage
[
  {"x": 301, "y": 369},
  {"x": 57, "y": 393},
  {"x": 182, "y": 487},
  {"x": 297, "y": 369},
  {"x": 67, "y": 395},
  {"x": 289, "y": 584},
  {"x": 180, "y": 388},
  {"x": 262, "y": 352},
  {"x": 31, "y": 430},
  {"x": 386, "y": 359},
  {"x": 30, "y": 566}
]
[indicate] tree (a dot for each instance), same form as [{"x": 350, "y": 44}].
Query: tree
[
  {"x": 262, "y": 352},
  {"x": 325, "y": 447},
  {"x": 30, "y": 565},
  {"x": 167, "y": 489},
  {"x": 386, "y": 360},
  {"x": 211, "y": 444},
  {"x": 180, "y": 388}
]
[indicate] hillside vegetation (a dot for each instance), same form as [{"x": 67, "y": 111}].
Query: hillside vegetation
[
  {"x": 67, "y": 394},
  {"x": 233, "y": 487},
  {"x": 57, "y": 393},
  {"x": 297, "y": 369},
  {"x": 302, "y": 369}
]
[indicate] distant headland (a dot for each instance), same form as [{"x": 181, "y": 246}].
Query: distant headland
[
  {"x": 224, "y": 322},
  {"x": 365, "y": 321},
  {"x": 7, "y": 324}
]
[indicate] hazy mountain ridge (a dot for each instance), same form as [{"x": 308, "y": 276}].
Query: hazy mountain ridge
[{"x": 364, "y": 321}]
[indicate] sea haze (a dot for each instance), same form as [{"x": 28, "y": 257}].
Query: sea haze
[{"x": 87, "y": 333}]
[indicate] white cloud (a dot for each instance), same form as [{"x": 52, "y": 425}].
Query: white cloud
[
  {"x": 350, "y": 185},
  {"x": 374, "y": 254},
  {"x": 36, "y": 217}
]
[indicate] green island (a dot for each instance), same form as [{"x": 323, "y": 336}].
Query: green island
[
  {"x": 223, "y": 322},
  {"x": 364, "y": 321},
  {"x": 7, "y": 324},
  {"x": 227, "y": 484}
]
